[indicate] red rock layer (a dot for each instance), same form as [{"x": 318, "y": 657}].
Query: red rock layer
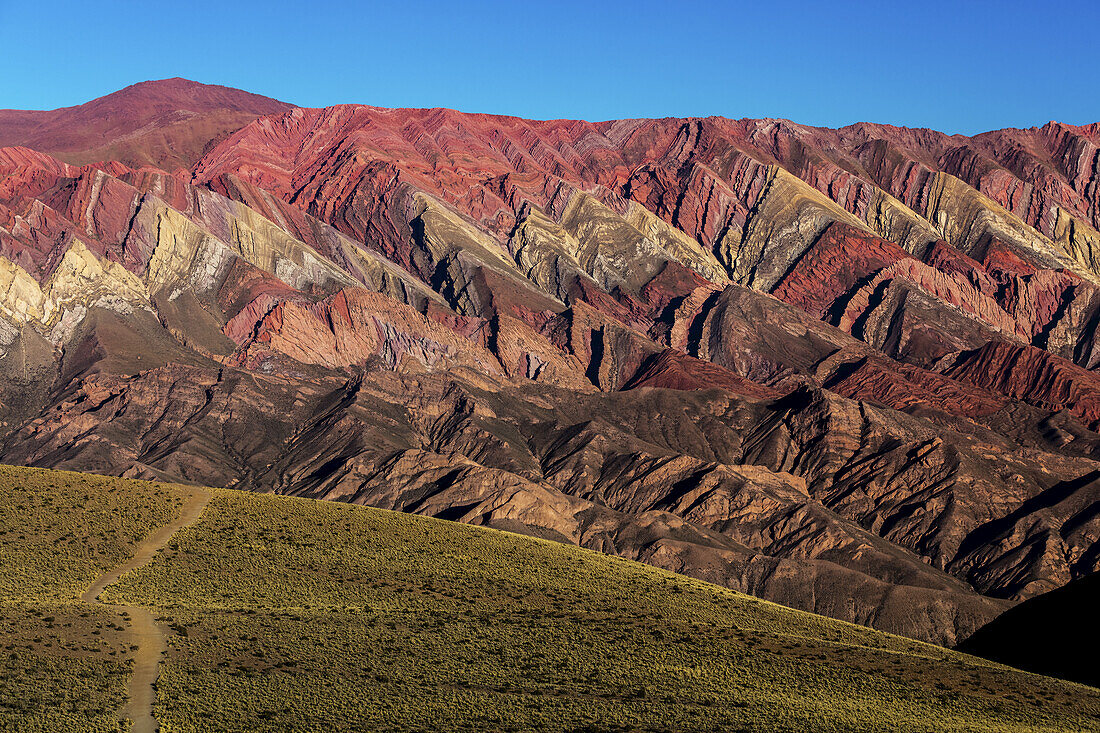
[
  {"x": 1031, "y": 374},
  {"x": 902, "y": 387},
  {"x": 675, "y": 370},
  {"x": 839, "y": 260}
]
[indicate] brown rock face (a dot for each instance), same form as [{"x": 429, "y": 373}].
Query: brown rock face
[{"x": 846, "y": 370}]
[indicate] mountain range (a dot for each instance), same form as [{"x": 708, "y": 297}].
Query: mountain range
[{"x": 850, "y": 371}]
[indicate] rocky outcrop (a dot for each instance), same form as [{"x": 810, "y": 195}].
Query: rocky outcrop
[
  {"x": 1032, "y": 375},
  {"x": 673, "y": 369},
  {"x": 349, "y": 329},
  {"x": 841, "y": 260},
  {"x": 903, "y": 387}
]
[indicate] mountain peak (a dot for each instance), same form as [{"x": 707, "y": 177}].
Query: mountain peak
[
  {"x": 195, "y": 95},
  {"x": 165, "y": 122}
]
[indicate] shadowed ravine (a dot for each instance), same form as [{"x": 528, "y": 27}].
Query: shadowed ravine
[{"x": 148, "y": 637}]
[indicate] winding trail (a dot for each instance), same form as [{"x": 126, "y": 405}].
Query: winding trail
[{"x": 147, "y": 635}]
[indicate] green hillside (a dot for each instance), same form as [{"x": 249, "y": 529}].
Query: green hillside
[
  {"x": 293, "y": 615},
  {"x": 64, "y": 664}
]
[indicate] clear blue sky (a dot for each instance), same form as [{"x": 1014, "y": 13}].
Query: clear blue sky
[{"x": 954, "y": 66}]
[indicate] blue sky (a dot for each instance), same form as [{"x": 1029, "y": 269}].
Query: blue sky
[{"x": 954, "y": 66}]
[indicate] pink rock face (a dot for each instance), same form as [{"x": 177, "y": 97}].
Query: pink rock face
[
  {"x": 164, "y": 123},
  {"x": 949, "y": 289},
  {"x": 839, "y": 260},
  {"x": 840, "y": 369},
  {"x": 1002, "y": 262},
  {"x": 351, "y": 327},
  {"x": 1034, "y": 300},
  {"x": 951, "y": 261},
  {"x": 27, "y": 173}
]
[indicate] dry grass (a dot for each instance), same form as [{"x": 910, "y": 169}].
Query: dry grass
[
  {"x": 294, "y": 615},
  {"x": 60, "y": 530},
  {"x": 63, "y": 667},
  {"x": 64, "y": 664}
]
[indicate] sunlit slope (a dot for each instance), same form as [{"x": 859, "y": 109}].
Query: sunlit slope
[
  {"x": 64, "y": 664},
  {"x": 295, "y": 615}
]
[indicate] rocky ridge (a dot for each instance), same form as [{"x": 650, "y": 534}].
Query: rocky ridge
[{"x": 850, "y": 371}]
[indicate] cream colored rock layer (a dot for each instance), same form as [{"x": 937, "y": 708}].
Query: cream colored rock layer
[
  {"x": 788, "y": 216},
  {"x": 184, "y": 256},
  {"x": 81, "y": 281},
  {"x": 964, "y": 216},
  {"x": 893, "y": 220}
]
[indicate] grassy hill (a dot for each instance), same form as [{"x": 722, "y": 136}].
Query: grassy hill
[
  {"x": 293, "y": 615},
  {"x": 64, "y": 664}
]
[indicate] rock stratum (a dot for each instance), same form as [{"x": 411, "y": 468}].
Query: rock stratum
[{"x": 852, "y": 371}]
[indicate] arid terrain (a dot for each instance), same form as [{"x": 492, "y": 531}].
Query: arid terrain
[{"x": 850, "y": 371}]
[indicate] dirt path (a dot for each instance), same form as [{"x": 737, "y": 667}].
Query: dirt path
[{"x": 147, "y": 635}]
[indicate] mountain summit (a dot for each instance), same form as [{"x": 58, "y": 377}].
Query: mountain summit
[{"x": 164, "y": 123}]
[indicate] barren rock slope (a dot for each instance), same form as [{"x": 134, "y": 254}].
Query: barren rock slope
[{"x": 848, "y": 370}]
